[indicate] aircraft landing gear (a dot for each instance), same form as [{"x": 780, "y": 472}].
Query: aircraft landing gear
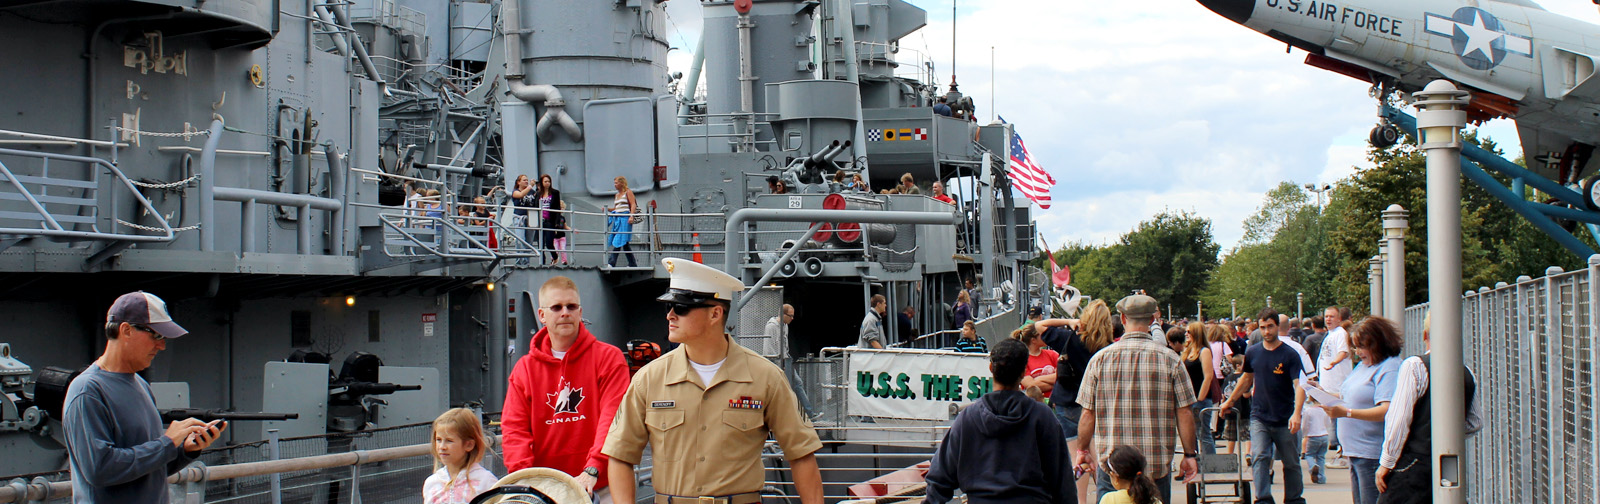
[
  {"x": 1384, "y": 135},
  {"x": 1591, "y": 193}
]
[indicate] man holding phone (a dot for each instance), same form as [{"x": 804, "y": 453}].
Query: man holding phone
[{"x": 116, "y": 447}]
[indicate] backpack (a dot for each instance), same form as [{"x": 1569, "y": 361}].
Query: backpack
[{"x": 1067, "y": 373}]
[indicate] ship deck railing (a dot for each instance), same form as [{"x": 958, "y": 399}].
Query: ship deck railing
[
  {"x": 410, "y": 232},
  {"x": 909, "y": 64},
  {"x": 390, "y": 465},
  {"x": 68, "y": 198}
]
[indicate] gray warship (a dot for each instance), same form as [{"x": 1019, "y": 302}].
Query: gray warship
[{"x": 253, "y": 162}]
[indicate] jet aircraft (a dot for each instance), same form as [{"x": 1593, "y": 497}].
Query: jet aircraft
[{"x": 1519, "y": 60}]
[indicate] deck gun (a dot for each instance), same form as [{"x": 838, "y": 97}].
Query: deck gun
[{"x": 352, "y": 401}]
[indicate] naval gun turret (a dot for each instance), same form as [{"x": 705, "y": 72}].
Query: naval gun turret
[{"x": 352, "y": 396}]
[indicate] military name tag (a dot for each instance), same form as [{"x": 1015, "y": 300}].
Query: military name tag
[{"x": 661, "y": 404}]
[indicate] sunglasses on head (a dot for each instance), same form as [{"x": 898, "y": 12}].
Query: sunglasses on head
[
  {"x": 558, "y": 308},
  {"x": 683, "y": 309}
]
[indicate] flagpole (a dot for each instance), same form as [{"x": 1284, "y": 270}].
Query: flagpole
[{"x": 991, "y": 84}]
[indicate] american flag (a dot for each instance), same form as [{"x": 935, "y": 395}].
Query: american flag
[{"x": 1029, "y": 179}]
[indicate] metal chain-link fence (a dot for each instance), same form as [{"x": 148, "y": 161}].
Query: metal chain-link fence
[{"x": 1531, "y": 346}]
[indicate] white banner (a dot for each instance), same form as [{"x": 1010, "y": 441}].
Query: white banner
[{"x": 916, "y": 384}]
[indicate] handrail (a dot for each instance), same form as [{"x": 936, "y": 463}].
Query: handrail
[
  {"x": 40, "y": 490},
  {"x": 58, "y": 231},
  {"x": 901, "y": 344},
  {"x": 439, "y": 247},
  {"x": 56, "y": 138}
]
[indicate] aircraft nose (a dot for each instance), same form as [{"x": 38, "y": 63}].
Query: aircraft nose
[{"x": 1237, "y": 10}]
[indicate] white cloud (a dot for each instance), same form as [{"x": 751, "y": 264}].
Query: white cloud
[{"x": 1136, "y": 107}]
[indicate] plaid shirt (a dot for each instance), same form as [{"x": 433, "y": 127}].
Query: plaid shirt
[{"x": 1134, "y": 388}]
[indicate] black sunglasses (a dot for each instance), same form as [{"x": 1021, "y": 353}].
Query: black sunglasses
[
  {"x": 153, "y": 334},
  {"x": 571, "y": 307},
  {"x": 684, "y": 309}
]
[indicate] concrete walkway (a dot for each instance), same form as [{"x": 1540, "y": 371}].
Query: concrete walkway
[{"x": 1335, "y": 491}]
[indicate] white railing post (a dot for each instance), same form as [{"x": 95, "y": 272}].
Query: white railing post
[
  {"x": 1552, "y": 385},
  {"x": 1594, "y": 357}
]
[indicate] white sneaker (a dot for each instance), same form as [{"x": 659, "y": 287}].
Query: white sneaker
[{"x": 1338, "y": 463}]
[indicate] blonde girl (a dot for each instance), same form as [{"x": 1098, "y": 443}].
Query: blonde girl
[{"x": 458, "y": 449}]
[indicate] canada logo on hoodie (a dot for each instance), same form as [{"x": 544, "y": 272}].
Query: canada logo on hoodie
[{"x": 567, "y": 399}]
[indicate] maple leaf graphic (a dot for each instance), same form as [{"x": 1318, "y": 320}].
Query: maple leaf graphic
[{"x": 567, "y": 399}]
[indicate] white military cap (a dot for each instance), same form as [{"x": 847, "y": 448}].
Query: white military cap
[{"x": 694, "y": 283}]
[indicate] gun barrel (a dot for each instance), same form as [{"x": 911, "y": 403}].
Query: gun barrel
[
  {"x": 367, "y": 388},
  {"x": 204, "y": 415}
]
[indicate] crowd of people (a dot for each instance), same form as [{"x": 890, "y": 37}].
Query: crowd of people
[
  {"x": 539, "y": 216},
  {"x": 1098, "y": 402},
  {"x": 1131, "y": 392},
  {"x": 574, "y": 411}
]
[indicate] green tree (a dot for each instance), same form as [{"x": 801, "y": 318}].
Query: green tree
[
  {"x": 1279, "y": 257},
  {"x": 1497, "y": 244},
  {"x": 1170, "y": 256}
]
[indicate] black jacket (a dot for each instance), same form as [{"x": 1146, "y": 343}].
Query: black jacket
[{"x": 1005, "y": 448}]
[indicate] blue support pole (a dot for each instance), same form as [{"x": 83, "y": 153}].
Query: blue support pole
[
  {"x": 1536, "y": 213},
  {"x": 1491, "y": 161},
  {"x": 1533, "y": 212}
]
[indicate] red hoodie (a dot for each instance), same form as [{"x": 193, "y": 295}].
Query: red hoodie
[{"x": 557, "y": 411}]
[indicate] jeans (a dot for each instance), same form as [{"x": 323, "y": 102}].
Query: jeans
[
  {"x": 1103, "y": 486},
  {"x": 1068, "y": 415},
  {"x": 1363, "y": 480},
  {"x": 1316, "y": 456},
  {"x": 1202, "y": 427},
  {"x": 799, "y": 390},
  {"x": 1264, "y": 440},
  {"x": 627, "y": 249}
]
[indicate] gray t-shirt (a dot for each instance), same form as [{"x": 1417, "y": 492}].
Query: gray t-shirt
[{"x": 117, "y": 447}]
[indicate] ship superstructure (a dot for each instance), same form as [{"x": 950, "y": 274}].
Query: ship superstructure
[{"x": 254, "y": 163}]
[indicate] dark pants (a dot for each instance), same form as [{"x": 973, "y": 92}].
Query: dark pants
[
  {"x": 1264, "y": 441},
  {"x": 547, "y": 241},
  {"x": 1411, "y": 481},
  {"x": 627, "y": 249}
]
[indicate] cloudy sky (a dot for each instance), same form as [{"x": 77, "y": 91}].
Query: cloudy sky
[{"x": 1137, "y": 107}]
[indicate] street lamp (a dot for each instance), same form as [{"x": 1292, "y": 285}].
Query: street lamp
[
  {"x": 1299, "y": 304},
  {"x": 1319, "y": 191},
  {"x": 1269, "y": 301},
  {"x": 1394, "y": 280},
  {"x": 1233, "y": 305}
]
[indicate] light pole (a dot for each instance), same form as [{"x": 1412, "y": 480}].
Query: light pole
[
  {"x": 1299, "y": 304},
  {"x": 1394, "y": 280},
  {"x": 1374, "y": 285},
  {"x": 1439, "y": 121},
  {"x": 1199, "y": 310},
  {"x": 1319, "y": 191},
  {"x": 1269, "y": 301},
  {"x": 1383, "y": 275},
  {"x": 1233, "y": 306}
]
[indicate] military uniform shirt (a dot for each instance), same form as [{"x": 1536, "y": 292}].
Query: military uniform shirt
[{"x": 706, "y": 440}]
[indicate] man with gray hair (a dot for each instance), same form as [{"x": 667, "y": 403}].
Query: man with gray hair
[
  {"x": 1137, "y": 393},
  {"x": 117, "y": 450}
]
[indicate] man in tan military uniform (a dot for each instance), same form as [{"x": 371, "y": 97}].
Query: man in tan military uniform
[{"x": 706, "y": 407}]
